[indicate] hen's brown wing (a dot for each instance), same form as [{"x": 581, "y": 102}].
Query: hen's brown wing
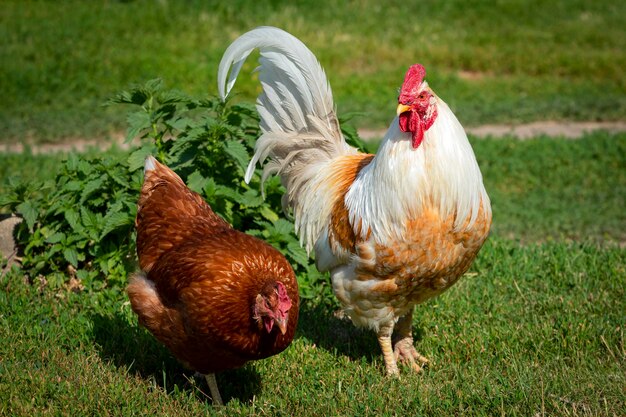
[{"x": 167, "y": 213}]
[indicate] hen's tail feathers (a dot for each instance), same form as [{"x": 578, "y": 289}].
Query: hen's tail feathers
[
  {"x": 144, "y": 300},
  {"x": 167, "y": 212},
  {"x": 150, "y": 164},
  {"x": 163, "y": 322},
  {"x": 299, "y": 126}
]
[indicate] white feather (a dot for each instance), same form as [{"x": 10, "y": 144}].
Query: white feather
[
  {"x": 296, "y": 101},
  {"x": 149, "y": 165},
  {"x": 301, "y": 136},
  {"x": 401, "y": 180}
]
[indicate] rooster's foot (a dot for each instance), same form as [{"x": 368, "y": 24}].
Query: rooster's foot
[{"x": 405, "y": 353}]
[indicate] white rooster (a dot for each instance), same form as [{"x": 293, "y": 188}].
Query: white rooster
[{"x": 394, "y": 229}]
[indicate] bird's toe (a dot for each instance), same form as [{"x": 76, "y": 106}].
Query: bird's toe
[{"x": 405, "y": 353}]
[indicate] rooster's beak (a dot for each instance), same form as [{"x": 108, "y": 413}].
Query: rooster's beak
[{"x": 402, "y": 108}]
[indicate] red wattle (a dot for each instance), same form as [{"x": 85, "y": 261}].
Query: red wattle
[
  {"x": 418, "y": 137},
  {"x": 411, "y": 121},
  {"x": 404, "y": 121},
  {"x": 417, "y": 131},
  {"x": 269, "y": 323}
]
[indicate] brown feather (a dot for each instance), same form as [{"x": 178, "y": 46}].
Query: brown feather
[
  {"x": 201, "y": 279},
  {"x": 342, "y": 232},
  {"x": 432, "y": 257},
  {"x": 166, "y": 201}
]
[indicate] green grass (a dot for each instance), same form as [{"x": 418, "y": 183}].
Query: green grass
[
  {"x": 531, "y": 330},
  {"x": 506, "y": 62},
  {"x": 553, "y": 189},
  {"x": 535, "y": 328}
]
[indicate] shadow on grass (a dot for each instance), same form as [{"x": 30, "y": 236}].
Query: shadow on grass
[
  {"x": 133, "y": 347},
  {"x": 340, "y": 336}
]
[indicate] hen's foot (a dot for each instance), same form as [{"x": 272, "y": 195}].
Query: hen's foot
[
  {"x": 405, "y": 353},
  {"x": 215, "y": 392}
]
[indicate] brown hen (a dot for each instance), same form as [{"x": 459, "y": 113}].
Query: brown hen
[{"x": 215, "y": 297}]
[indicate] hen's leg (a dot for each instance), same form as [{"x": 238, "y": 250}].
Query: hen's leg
[
  {"x": 404, "y": 350},
  {"x": 384, "y": 338},
  {"x": 215, "y": 392}
]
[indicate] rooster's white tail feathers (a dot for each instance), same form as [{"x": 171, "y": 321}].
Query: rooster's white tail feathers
[{"x": 298, "y": 121}]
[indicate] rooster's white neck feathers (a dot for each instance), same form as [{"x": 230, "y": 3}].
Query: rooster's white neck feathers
[
  {"x": 401, "y": 181},
  {"x": 301, "y": 135}
]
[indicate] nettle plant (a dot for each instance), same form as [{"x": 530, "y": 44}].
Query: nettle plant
[
  {"x": 78, "y": 224},
  {"x": 81, "y": 223}
]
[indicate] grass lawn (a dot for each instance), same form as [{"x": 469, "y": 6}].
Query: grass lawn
[
  {"x": 531, "y": 330},
  {"x": 535, "y": 328},
  {"x": 492, "y": 62}
]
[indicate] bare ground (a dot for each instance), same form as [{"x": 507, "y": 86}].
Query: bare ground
[{"x": 571, "y": 130}]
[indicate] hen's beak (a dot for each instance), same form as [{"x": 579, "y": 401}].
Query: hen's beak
[
  {"x": 282, "y": 325},
  {"x": 402, "y": 108}
]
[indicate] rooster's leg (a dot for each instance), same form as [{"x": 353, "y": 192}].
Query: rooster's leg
[
  {"x": 404, "y": 351},
  {"x": 215, "y": 392},
  {"x": 384, "y": 338}
]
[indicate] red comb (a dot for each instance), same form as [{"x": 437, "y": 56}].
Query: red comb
[
  {"x": 415, "y": 74},
  {"x": 413, "y": 78}
]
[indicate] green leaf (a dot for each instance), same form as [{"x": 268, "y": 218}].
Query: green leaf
[
  {"x": 123, "y": 97},
  {"x": 72, "y": 162},
  {"x": 8, "y": 199},
  {"x": 54, "y": 249},
  {"x": 223, "y": 191},
  {"x": 209, "y": 188},
  {"x": 114, "y": 221},
  {"x": 297, "y": 253},
  {"x": 29, "y": 212},
  {"x": 268, "y": 213},
  {"x": 196, "y": 182},
  {"x": 173, "y": 96},
  {"x": 82, "y": 275},
  {"x": 71, "y": 256},
  {"x": 89, "y": 188},
  {"x": 283, "y": 227},
  {"x": 137, "y": 121},
  {"x": 165, "y": 112},
  {"x": 89, "y": 218},
  {"x": 238, "y": 151},
  {"x": 247, "y": 109},
  {"x": 56, "y": 237},
  {"x": 137, "y": 159},
  {"x": 119, "y": 176},
  {"x": 250, "y": 199},
  {"x": 154, "y": 85},
  {"x": 73, "y": 185},
  {"x": 181, "y": 123},
  {"x": 73, "y": 219},
  {"x": 85, "y": 167}
]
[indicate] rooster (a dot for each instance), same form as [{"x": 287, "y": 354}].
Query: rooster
[
  {"x": 215, "y": 297},
  {"x": 394, "y": 229}
]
